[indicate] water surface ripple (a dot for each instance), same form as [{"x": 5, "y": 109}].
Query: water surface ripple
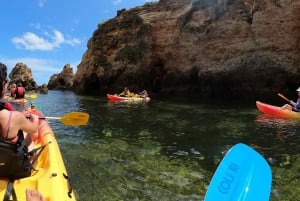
[{"x": 165, "y": 150}]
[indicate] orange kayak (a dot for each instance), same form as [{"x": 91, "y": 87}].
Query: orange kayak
[{"x": 277, "y": 111}]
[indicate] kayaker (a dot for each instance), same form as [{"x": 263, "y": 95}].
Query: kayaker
[
  {"x": 143, "y": 94},
  {"x": 13, "y": 121},
  {"x": 13, "y": 90},
  {"x": 33, "y": 195},
  {"x": 126, "y": 93},
  {"x": 20, "y": 91},
  {"x": 292, "y": 105}
]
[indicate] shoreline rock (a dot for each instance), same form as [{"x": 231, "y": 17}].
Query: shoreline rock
[{"x": 239, "y": 50}]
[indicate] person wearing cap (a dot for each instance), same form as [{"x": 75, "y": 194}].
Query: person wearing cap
[{"x": 292, "y": 105}]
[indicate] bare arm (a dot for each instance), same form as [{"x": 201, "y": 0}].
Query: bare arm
[
  {"x": 20, "y": 122},
  {"x": 293, "y": 103}
]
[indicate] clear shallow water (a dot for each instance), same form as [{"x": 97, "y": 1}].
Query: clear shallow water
[{"x": 165, "y": 150}]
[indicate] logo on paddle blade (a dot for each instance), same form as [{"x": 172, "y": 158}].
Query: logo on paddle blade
[{"x": 228, "y": 178}]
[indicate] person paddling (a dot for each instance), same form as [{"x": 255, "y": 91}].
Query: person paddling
[
  {"x": 13, "y": 90},
  {"x": 143, "y": 94},
  {"x": 20, "y": 91},
  {"x": 12, "y": 121},
  {"x": 294, "y": 106},
  {"x": 126, "y": 93}
]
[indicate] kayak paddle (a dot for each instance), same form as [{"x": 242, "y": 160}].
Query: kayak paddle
[
  {"x": 242, "y": 175},
  {"x": 282, "y": 96},
  {"x": 71, "y": 119},
  {"x": 30, "y": 96}
]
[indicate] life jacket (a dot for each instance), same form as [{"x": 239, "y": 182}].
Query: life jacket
[
  {"x": 15, "y": 160},
  {"x": 6, "y": 105},
  {"x": 297, "y": 107},
  {"x": 20, "y": 92}
]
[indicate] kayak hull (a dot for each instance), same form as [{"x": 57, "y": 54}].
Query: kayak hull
[
  {"x": 112, "y": 97},
  {"x": 51, "y": 178},
  {"x": 277, "y": 111}
]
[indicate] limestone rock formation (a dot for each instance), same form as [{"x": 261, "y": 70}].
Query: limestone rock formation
[
  {"x": 63, "y": 80},
  {"x": 43, "y": 89},
  {"x": 21, "y": 73},
  {"x": 219, "y": 49}
]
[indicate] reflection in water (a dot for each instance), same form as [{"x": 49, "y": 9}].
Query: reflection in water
[{"x": 283, "y": 155}]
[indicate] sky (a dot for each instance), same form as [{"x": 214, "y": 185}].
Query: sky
[{"x": 45, "y": 35}]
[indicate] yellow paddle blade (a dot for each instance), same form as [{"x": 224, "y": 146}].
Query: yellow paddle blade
[
  {"x": 73, "y": 118},
  {"x": 30, "y": 95},
  {"x": 282, "y": 96}
]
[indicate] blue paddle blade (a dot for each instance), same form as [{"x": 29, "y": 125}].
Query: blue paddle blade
[{"x": 242, "y": 175}]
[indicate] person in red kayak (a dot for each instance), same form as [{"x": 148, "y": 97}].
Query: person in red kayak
[
  {"x": 20, "y": 91},
  {"x": 143, "y": 94},
  {"x": 13, "y": 90},
  {"x": 294, "y": 106},
  {"x": 126, "y": 93}
]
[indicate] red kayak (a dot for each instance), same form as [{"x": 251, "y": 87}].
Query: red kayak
[
  {"x": 115, "y": 97},
  {"x": 277, "y": 111}
]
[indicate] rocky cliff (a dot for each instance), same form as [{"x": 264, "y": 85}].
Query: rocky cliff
[
  {"x": 22, "y": 74},
  {"x": 219, "y": 49},
  {"x": 63, "y": 80}
]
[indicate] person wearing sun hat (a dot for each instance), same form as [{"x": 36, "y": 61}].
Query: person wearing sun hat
[{"x": 295, "y": 106}]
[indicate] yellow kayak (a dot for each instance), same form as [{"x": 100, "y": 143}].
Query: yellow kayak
[
  {"x": 18, "y": 101},
  {"x": 50, "y": 177}
]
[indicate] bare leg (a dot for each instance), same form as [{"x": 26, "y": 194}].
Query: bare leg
[
  {"x": 287, "y": 107},
  {"x": 33, "y": 195}
]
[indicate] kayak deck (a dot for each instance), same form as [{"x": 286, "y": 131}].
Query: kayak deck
[{"x": 51, "y": 178}]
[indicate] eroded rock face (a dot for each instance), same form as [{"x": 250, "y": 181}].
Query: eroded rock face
[
  {"x": 43, "y": 89},
  {"x": 238, "y": 49},
  {"x": 21, "y": 73},
  {"x": 63, "y": 80}
]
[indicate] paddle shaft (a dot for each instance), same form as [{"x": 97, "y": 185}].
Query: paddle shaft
[
  {"x": 285, "y": 98},
  {"x": 50, "y": 117},
  {"x": 44, "y": 118},
  {"x": 71, "y": 119},
  {"x": 28, "y": 117}
]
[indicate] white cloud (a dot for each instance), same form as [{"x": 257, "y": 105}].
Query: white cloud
[
  {"x": 73, "y": 41},
  {"x": 36, "y": 25},
  {"x": 35, "y": 64},
  {"x": 116, "y": 2},
  {"x": 31, "y": 41}
]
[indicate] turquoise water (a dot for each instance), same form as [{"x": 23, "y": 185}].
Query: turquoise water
[{"x": 165, "y": 150}]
